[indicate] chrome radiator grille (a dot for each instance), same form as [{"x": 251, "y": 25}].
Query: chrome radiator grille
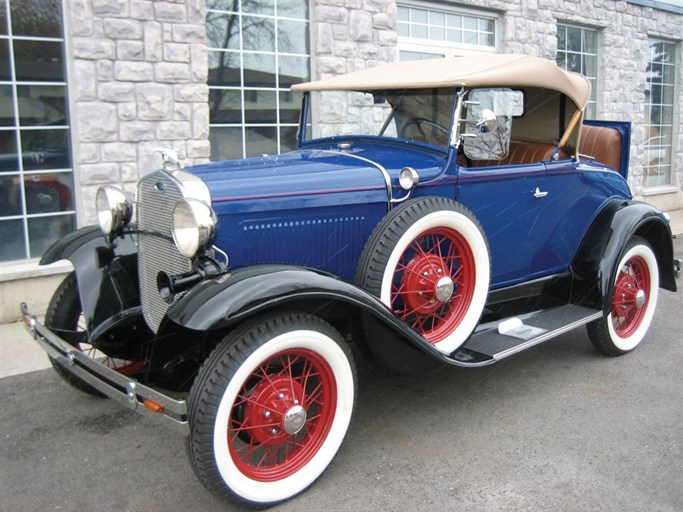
[{"x": 157, "y": 195}]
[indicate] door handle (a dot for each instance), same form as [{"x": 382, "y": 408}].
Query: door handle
[{"x": 538, "y": 194}]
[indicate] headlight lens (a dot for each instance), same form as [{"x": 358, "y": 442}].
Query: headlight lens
[
  {"x": 194, "y": 226},
  {"x": 408, "y": 178},
  {"x": 114, "y": 210}
]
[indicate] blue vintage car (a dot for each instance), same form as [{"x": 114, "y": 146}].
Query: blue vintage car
[{"x": 452, "y": 211}]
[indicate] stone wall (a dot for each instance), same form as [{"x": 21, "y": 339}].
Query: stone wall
[{"x": 138, "y": 72}]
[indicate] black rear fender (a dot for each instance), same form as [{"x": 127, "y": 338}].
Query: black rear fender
[
  {"x": 594, "y": 263},
  {"x": 106, "y": 273}
]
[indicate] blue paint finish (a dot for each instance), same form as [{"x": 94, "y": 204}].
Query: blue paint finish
[
  {"x": 534, "y": 237},
  {"x": 313, "y": 207}
]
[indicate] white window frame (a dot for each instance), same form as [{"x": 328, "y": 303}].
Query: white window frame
[{"x": 448, "y": 48}]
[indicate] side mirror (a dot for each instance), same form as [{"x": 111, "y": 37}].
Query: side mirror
[{"x": 487, "y": 121}]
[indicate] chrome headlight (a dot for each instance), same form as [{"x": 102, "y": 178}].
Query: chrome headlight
[
  {"x": 114, "y": 210},
  {"x": 194, "y": 226},
  {"x": 408, "y": 178}
]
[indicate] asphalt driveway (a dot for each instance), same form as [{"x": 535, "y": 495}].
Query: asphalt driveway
[{"x": 558, "y": 428}]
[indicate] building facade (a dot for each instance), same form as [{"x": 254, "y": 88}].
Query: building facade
[{"x": 91, "y": 89}]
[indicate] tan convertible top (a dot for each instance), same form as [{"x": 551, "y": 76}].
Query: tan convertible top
[{"x": 507, "y": 70}]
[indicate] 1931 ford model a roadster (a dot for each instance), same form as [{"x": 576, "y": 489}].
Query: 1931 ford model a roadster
[{"x": 463, "y": 214}]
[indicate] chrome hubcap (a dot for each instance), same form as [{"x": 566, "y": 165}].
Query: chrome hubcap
[
  {"x": 641, "y": 297},
  {"x": 294, "y": 419},
  {"x": 444, "y": 289}
]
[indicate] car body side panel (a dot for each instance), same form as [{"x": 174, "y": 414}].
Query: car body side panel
[{"x": 535, "y": 215}]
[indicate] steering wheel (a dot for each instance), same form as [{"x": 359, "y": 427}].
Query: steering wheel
[{"x": 431, "y": 136}]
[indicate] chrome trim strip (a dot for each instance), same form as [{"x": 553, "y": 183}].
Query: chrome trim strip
[
  {"x": 546, "y": 336},
  {"x": 385, "y": 174},
  {"x": 116, "y": 386}
]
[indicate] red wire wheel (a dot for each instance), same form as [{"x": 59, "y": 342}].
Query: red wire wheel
[
  {"x": 633, "y": 301},
  {"x": 434, "y": 282},
  {"x": 631, "y": 296},
  {"x": 270, "y": 408},
  {"x": 282, "y": 415},
  {"x": 428, "y": 261}
]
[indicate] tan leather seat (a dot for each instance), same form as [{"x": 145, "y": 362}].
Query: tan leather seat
[
  {"x": 602, "y": 144},
  {"x": 522, "y": 152}
]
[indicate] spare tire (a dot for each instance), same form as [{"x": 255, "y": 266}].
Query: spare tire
[{"x": 428, "y": 261}]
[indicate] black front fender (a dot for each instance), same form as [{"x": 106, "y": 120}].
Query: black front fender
[
  {"x": 106, "y": 273},
  {"x": 231, "y": 298},
  {"x": 594, "y": 263}
]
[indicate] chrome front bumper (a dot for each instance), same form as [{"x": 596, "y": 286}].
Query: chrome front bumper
[{"x": 124, "y": 390}]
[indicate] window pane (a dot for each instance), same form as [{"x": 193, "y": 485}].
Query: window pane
[
  {"x": 36, "y": 18},
  {"x": 38, "y": 61},
  {"x": 418, "y": 16},
  {"x": 258, "y": 34},
  {"x": 224, "y": 68},
  {"x": 226, "y": 143},
  {"x": 470, "y": 37},
  {"x": 260, "y": 107},
  {"x": 12, "y": 240},
  {"x": 561, "y": 37},
  {"x": 42, "y": 105},
  {"x": 48, "y": 193},
  {"x": 223, "y": 5},
  {"x": 9, "y": 162},
  {"x": 437, "y": 18},
  {"x": 403, "y": 29},
  {"x": 290, "y": 106},
  {"x": 574, "y": 39},
  {"x": 44, "y": 231},
  {"x": 225, "y": 106},
  {"x": 470, "y": 23},
  {"x": 403, "y": 13},
  {"x": 288, "y": 138},
  {"x": 454, "y": 21},
  {"x": 3, "y": 19},
  {"x": 293, "y": 9},
  {"x": 5, "y": 70},
  {"x": 222, "y": 31},
  {"x": 259, "y": 70},
  {"x": 455, "y": 36},
  {"x": 261, "y": 141},
  {"x": 590, "y": 41},
  {"x": 293, "y": 70},
  {"x": 292, "y": 37},
  {"x": 437, "y": 34},
  {"x": 259, "y": 7},
  {"x": 45, "y": 149},
  {"x": 10, "y": 196},
  {"x": 6, "y": 107},
  {"x": 419, "y": 31}
]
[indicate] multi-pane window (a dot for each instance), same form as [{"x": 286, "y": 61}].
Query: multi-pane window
[
  {"x": 257, "y": 50},
  {"x": 37, "y": 203},
  {"x": 429, "y": 32},
  {"x": 659, "y": 112},
  {"x": 577, "y": 50}
]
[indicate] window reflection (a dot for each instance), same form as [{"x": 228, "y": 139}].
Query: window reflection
[
  {"x": 41, "y": 105},
  {"x": 39, "y": 61},
  {"x": 45, "y": 149},
  {"x": 5, "y": 71},
  {"x": 12, "y": 241},
  {"x": 44, "y": 231},
  {"x": 41, "y": 18},
  {"x": 257, "y": 50}
]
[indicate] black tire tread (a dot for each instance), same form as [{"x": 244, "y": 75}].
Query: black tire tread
[
  {"x": 213, "y": 378},
  {"x": 598, "y": 330}
]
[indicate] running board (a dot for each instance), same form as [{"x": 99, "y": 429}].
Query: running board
[{"x": 523, "y": 332}]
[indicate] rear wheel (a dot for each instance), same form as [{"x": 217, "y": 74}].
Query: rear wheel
[
  {"x": 65, "y": 315},
  {"x": 636, "y": 287},
  {"x": 270, "y": 408}
]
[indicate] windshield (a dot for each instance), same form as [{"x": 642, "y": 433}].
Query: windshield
[{"x": 421, "y": 115}]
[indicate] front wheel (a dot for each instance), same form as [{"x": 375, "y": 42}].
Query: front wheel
[
  {"x": 65, "y": 316},
  {"x": 636, "y": 286},
  {"x": 270, "y": 408}
]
